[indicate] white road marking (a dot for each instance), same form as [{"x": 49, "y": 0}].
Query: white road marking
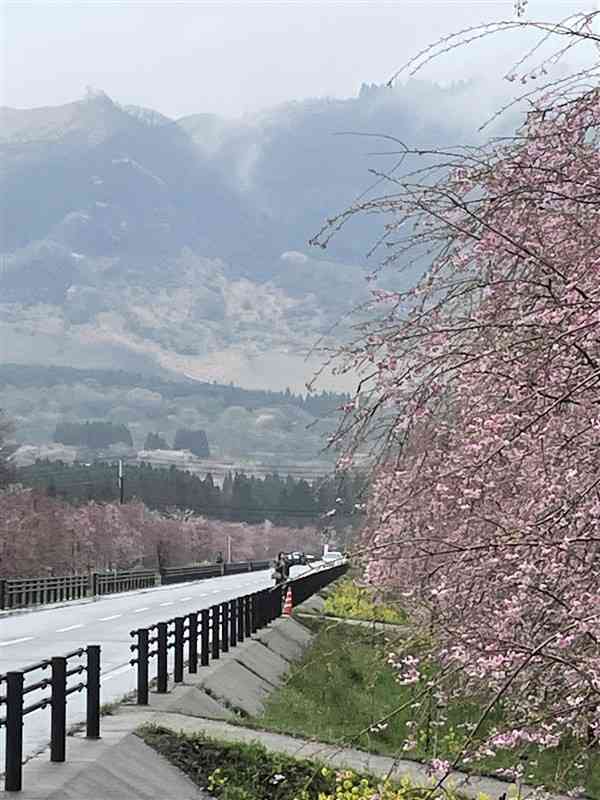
[
  {"x": 138, "y": 610},
  {"x": 16, "y": 641},
  {"x": 114, "y": 616},
  {"x": 168, "y": 603},
  {"x": 115, "y": 673},
  {"x": 70, "y": 628},
  {"x": 183, "y": 599}
]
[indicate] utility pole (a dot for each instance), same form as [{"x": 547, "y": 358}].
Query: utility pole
[
  {"x": 121, "y": 483},
  {"x": 229, "y": 548}
]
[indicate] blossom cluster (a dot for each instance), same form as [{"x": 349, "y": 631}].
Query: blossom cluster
[{"x": 482, "y": 383}]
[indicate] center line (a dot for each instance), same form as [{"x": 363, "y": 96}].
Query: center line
[
  {"x": 16, "y": 641},
  {"x": 70, "y": 628},
  {"x": 114, "y": 616},
  {"x": 137, "y": 610},
  {"x": 169, "y": 603}
]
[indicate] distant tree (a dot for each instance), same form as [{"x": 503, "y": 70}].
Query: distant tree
[
  {"x": 154, "y": 441},
  {"x": 94, "y": 435},
  {"x": 195, "y": 441}
]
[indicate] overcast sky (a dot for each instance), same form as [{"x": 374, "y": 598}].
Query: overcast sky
[{"x": 234, "y": 57}]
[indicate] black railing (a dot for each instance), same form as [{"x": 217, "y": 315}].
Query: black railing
[
  {"x": 124, "y": 581},
  {"x": 22, "y": 592},
  {"x": 26, "y": 592},
  {"x": 57, "y": 682},
  {"x": 195, "y": 638},
  {"x": 211, "y": 631},
  {"x": 190, "y": 573}
]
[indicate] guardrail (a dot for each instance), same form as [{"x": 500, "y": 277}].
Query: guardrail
[
  {"x": 26, "y": 592},
  {"x": 211, "y": 631},
  {"x": 14, "y": 700},
  {"x": 206, "y": 633},
  {"x": 21, "y": 592},
  {"x": 235, "y": 567},
  {"x": 124, "y": 581}
]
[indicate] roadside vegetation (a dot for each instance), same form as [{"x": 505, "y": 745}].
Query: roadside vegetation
[
  {"x": 248, "y": 772},
  {"x": 348, "y": 600},
  {"x": 346, "y": 691}
]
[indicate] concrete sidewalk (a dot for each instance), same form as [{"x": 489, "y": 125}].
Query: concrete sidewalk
[{"x": 122, "y": 767}]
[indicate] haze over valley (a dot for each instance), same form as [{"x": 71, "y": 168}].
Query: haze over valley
[{"x": 178, "y": 250}]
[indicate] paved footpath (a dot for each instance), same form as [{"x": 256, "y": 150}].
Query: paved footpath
[{"x": 122, "y": 767}]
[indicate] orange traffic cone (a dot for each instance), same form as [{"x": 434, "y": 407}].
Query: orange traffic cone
[{"x": 287, "y": 606}]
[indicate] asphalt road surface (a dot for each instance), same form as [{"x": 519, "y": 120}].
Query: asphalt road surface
[{"x": 35, "y": 635}]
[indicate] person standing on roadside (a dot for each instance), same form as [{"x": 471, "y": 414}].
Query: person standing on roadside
[{"x": 281, "y": 570}]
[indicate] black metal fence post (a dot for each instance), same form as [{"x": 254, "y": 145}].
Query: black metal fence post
[
  {"x": 58, "y": 717},
  {"x": 225, "y": 627},
  {"x": 233, "y": 623},
  {"x": 214, "y": 631},
  {"x": 92, "y": 684},
  {"x": 240, "y": 619},
  {"x": 161, "y": 658},
  {"x": 142, "y": 666},
  {"x": 193, "y": 642},
  {"x": 178, "y": 667},
  {"x": 14, "y": 732},
  {"x": 260, "y": 610},
  {"x": 254, "y": 611},
  {"x": 247, "y": 600},
  {"x": 205, "y": 637}
]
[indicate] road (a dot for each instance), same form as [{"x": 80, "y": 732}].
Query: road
[{"x": 35, "y": 635}]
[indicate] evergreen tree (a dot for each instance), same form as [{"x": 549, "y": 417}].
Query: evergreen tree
[
  {"x": 154, "y": 441},
  {"x": 196, "y": 441}
]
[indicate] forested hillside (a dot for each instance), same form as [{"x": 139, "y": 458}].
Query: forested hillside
[{"x": 180, "y": 247}]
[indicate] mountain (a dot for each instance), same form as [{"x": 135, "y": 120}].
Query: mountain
[
  {"x": 179, "y": 247},
  {"x": 110, "y": 181}
]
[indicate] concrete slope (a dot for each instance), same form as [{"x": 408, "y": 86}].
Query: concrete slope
[
  {"x": 118, "y": 767},
  {"x": 48, "y": 632},
  {"x": 121, "y": 767}
]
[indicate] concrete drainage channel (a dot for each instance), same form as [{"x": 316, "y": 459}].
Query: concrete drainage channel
[{"x": 237, "y": 685}]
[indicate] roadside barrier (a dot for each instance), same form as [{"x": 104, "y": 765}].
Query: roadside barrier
[
  {"x": 16, "y": 690},
  {"x": 26, "y": 592},
  {"x": 211, "y": 631},
  {"x": 201, "y": 635}
]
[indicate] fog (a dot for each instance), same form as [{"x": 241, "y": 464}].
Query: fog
[{"x": 230, "y": 58}]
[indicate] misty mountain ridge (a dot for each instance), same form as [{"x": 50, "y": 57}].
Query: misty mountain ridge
[{"x": 178, "y": 247}]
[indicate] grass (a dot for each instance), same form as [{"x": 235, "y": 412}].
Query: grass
[
  {"x": 343, "y": 686},
  {"x": 248, "y": 772}
]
